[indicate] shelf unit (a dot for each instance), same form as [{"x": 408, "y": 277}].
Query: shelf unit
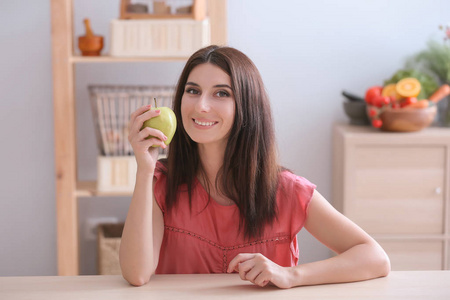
[
  {"x": 396, "y": 187},
  {"x": 68, "y": 188}
]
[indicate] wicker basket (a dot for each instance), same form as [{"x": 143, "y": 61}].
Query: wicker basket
[
  {"x": 112, "y": 106},
  {"x": 109, "y": 237}
]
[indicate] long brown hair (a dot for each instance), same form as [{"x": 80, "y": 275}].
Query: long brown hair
[{"x": 249, "y": 175}]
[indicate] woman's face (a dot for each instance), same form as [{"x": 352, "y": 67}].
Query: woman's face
[{"x": 208, "y": 105}]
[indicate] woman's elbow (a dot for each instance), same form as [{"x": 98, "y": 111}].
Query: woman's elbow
[
  {"x": 382, "y": 264},
  {"x": 136, "y": 280}
]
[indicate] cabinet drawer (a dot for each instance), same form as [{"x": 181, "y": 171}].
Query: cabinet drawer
[
  {"x": 414, "y": 255},
  {"x": 397, "y": 189}
]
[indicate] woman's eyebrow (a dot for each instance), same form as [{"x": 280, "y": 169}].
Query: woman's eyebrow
[
  {"x": 223, "y": 85},
  {"x": 216, "y": 86}
]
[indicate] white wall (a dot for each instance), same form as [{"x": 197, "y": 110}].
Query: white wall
[
  {"x": 307, "y": 52},
  {"x": 27, "y": 187}
]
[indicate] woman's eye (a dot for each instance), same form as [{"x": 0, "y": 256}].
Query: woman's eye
[
  {"x": 222, "y": 94},
  {"x": 192, "y": 91}
]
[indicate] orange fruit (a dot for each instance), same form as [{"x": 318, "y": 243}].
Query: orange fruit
[
  {"x": 391, "y": 91},
  {"x": 408, "y": 87}
]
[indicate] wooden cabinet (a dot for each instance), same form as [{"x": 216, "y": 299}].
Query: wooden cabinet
[
  {"x": 68, "y": 187},
  {"x": 396, "y": 187}
]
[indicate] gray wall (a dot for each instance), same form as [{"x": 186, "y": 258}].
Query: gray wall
[{"x": 307, "y": 52}]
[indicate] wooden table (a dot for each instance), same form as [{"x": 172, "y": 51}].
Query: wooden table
[{"x": 398, "y": 285}]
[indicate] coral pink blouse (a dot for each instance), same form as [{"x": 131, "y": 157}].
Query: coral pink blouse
[{"x": 208, "y": 238}]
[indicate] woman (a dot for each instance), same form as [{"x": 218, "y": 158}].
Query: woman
[{"x": 221, "y": 202}]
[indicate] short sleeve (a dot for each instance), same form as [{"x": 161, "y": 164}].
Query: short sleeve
[
  {"x": 302, "y": 192},
  {"x": 160, "y": 185}
]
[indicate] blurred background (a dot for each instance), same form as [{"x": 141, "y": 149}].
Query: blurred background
[{"x": 306, "y": 51}]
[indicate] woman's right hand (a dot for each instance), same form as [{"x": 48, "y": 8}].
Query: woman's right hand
[{"x": 146, "y": 155}]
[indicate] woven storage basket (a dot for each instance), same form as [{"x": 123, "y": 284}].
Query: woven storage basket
[
  {"x": 109, "y": 237},
  {"x": 112, "y": 106}
]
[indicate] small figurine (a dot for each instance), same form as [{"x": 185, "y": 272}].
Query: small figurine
[{"x": 90, "y": 44}]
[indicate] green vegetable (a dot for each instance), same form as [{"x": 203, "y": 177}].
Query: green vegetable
[
  {"x": 428, "y": 83},
  {"x": 437, "y": 59}
]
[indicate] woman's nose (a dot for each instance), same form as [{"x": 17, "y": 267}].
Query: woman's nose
[{"x": 202, "y": 104}]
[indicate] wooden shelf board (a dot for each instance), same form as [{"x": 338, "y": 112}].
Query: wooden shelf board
[
  {"x": 89, "y": 189},
  {"x": 139, "y": 16},
  {"x": 112, "y": 59}
]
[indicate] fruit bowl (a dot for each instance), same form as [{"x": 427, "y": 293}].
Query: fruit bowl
[{"x": 405, "y": 119}]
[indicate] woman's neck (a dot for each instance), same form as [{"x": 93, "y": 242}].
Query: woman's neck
[{"x": 211, "y": 157}]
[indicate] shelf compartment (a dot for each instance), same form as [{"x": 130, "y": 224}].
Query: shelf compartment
[{"x": 89, "y": 188}]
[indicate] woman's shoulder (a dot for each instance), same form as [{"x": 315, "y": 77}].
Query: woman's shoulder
[
  {"x": 159, "y": 190},
  {"x": 293, "y": 188},
  {"x": 161, "y": 169},
  {"x": 293, "y": 197},
  {"x": 288, "y": 179}
]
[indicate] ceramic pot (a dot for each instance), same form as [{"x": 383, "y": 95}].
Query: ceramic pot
[{"x": 90, "y": 45}]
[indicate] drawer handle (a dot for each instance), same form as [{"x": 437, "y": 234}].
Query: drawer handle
[{"x": 438, "y": 191}]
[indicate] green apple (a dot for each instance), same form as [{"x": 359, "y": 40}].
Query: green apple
[{"x": 166, "y": 122}]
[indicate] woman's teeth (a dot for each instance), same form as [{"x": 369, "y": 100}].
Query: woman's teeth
[{"x": 204, "y": 123}]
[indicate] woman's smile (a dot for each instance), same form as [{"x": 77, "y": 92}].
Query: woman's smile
[{"x": 202, "y": 124}]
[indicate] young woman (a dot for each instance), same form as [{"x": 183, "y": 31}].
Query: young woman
[{"x": 221, "y": 202}]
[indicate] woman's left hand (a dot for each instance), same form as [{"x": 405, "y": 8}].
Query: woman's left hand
[{"x": 260, "y": 270}]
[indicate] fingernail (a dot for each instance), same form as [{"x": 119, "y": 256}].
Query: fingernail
[
  {"x": 165, "y": 137},
  {"x": 149, "y": 106},
  {"x": 157, "y": 111}
]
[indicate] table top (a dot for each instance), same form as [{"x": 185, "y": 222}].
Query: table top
[{"x": 398, "y": 285}]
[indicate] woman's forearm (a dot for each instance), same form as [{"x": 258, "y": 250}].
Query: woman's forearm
[
  {"x": 136, "y": 249},
  {"x": 361, "y": 262}
]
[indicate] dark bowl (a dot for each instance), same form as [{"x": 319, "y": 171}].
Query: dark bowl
[{"x": 356, "y": 111}]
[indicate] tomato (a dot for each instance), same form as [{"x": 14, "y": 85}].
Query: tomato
[
  {"x": 373, "y": 93},
  {"x": 407, "y": 101},
  {"x": 386, "y": 100},
  {"x": 372, "y": 112},
  {"x": 393, "y": 99},
  {"x": 395, "y": 105},
  {"x": 377, "y": 123},
  {"x": 380, "y": 101}
]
